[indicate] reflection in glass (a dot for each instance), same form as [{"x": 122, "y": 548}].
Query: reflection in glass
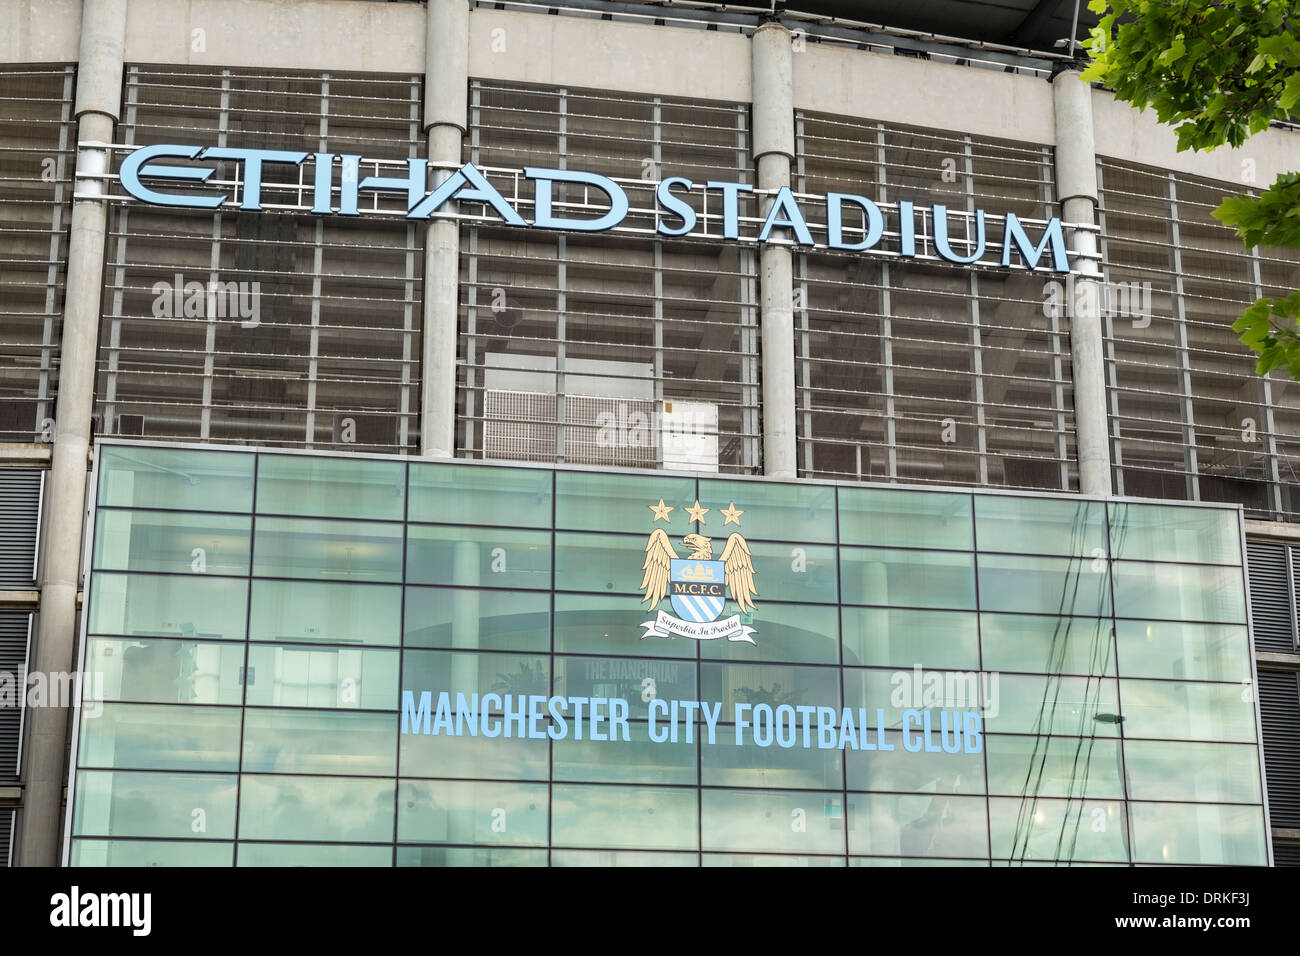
[
  {"x": 1184, "y": 711},
  {"x": 1219, "y": 652},
  {"x": 481, "y": 811},
  {"x": 891, "y": 637},
  {"x": 622, "y": 502},
  {"x": 151, "y": 853},
  {"x": 1041, "y": 829},
  {"x": 1179, "y": 592},
  {"x": 475, "y": 494},
  {"x": 319, "y": 741},
  {"x": 315, "y": 808},
  {"x": 478, "y": 557},
  {"x": 1054, "y": 766},
  {"x": 137, "y": 804},
  {"x": 1040, "y": 525},
  {"x": 765, "y": 821},
  {"x": 1206, "y": 773},
  {"x": 1175, "y": 533},
  {"x": 1050, "y": 645},
  {"x": 901, "y": 771},
  {"x": 646, "y": 818},
  {"x": 160, "y": 737},
  {"x": 1182, "y": 833},
  {"x": 350, "y": 678},
  {"x": 468, "y": 856},
  {"x": 309, "y": 854},
  {"x": 1044, "y": 585},
  {"x": 923, "y": 824},
  {"x": 777, "y": 512}
]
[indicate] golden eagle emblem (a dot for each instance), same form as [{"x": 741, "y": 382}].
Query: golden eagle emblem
[{"x": 693, "y": 579}]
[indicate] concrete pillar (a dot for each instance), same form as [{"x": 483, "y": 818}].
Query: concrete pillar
[
  {"x": 446, "y": 82},
  {"x": 99, "y": 94},
  {"x": 1076, "y": 189},
  {"x": 773, "y": 153}
]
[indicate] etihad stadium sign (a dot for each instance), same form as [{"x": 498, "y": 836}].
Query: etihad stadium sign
[{"x": 674, "y": 207}]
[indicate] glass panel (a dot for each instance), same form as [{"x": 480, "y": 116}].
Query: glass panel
[
  {"x": 151, "y": 853},
  {"x": 769, "y": 859},
  {"x": 331, "y": 487},
  {"x": 471, "y": 755},
  {"x": 316, "y": 808},
  {"x": 1044, "y": 585},
  {"x": 801, "y": 633},
  {"x": 597, "y": 624},
  {"x": 649, "y": 818},
  {"x": 603, "y": 563},
  {"x": 1188, "y": 651},
  {"x": 771, "y": 684},
  {"x": 468, "y": 856},
  {"x": 133, "y": 804},
  {"x": 902, "y": 771},
  {"x": 622, "y": 502},
  {"x": 1179, "y": 592},
  {"x": 770, "y": 511},
  {"x": 160, "y": 737},
  {"x": 156, "y": 670},
  {"x": 1040, "y": 525},
  {"x": 636, "y": 680},
  {"x": 784, "y": 572},
  {"x": 907, "y": 578},
  {"x": 1183, "y": 711},
  {"x": 1054, "y": 766},
  {"x": 474, "y": 557},
  {"x": 320, "y": 741},
  {"x": 1174, "y": 833},
  {"x": 1050, "y": 645},
  {"x": 468, "y": 672},
  {"x": 304, "y": 676},
  {"x": 474, "y": 618},
  {"x": 913, "y": 861},
  {"x": 175, "y": 478},
  {"x": 913, "y": 519},
  {"x": 896, "y": 638},
  {"x": 478, "y": 494},
  {"x": 168, "y": 606},
  {"x": 750, "y": 765},
  {"x": 773, "y": 820},
  {"x": 319, "y": 854},
  {"x": 1173, "y": 533},
  {"x": 1040, "y": 829},
  {"x": 480, "y": 811},
  {"x": 336, "y": 612},
  {"x": 621, "y": 858},
  {"x": 1069, "y": 706},
  {"x": 316, "y": 548},
  {"x": 172, "y": 542},
  {"x": 923, "y": 824},
  {"x": 1204, "y": 773},
  {"x": 640, "y": 760},
  {"x": 930, "y": 692}
]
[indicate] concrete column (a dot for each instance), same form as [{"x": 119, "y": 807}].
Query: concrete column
[
  {"x": 1076, "y": 189},
  {"x": 773, "y": 153},
  {"x": 99, "y": 94},
  {"x": 446, "y": 82}
]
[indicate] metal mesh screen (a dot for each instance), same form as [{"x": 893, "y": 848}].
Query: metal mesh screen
[
  {"x": 621, "y": 330},
  {"x": 926, "y": 372},
  {"x": 36, "y": 166},
  {"x": 1189, "y": 417},
  {"x": 320, "y": 347}
]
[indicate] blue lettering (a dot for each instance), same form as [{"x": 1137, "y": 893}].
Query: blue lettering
[
  {"x": 910, "y": 743},
  {"x": 412, "y": 717},
  {"x": 137, "y": 164},
  {"x": 495, "y": 729},
  {"x": 1029, "y": 253},
  {"x": 730, "y": 206},
  {"x": 545, "y": 219},
  {"x": 835, "y": 221},
  {"x": 785, "y": 213},
  {"x": 941, "y": 244},
  {"x": 253, "y": 160},
  {"x": 462, "y": 707},
  {"x": 559, "y": 728},
  {"x": 678, "y": 207},
  {"x": 658, "y": 707},
  {"x": 618, "y": 720},
  {"x": 514, "y": 718}
]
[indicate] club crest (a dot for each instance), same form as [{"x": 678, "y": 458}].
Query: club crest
[{"x": 698, "y": 583}]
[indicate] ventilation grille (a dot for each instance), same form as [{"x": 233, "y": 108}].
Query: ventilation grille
[
  {"x": 14, "y": 629},
  {"x": 6, "y": 835},
  {"x": 1279, "y": 710},
  {"x": 525, "y": 426},
  {"x": 20, "y": 506},
  {"x": 1272, "y": 605}
]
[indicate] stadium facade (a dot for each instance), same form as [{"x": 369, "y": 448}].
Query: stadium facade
[{"x": 572, "y": 433}]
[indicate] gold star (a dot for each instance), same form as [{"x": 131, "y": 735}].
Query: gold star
[
  {"x": 731, "y": 515},
  {"x": 697, "y": 513},
  {"x": 661, "y": 511}
]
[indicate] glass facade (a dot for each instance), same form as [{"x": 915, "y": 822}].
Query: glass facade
[{"x": 924, "y": 676}]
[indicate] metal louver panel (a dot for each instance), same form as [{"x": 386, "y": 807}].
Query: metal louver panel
[
  {"x": 20, "y": 507},
  {"x": 14, "y": 630},
  {"x": 1279, "y": 711},
  {"x": 1271, "y": 606},
  {"x": 1286, "y": 854},
  {"x": 6, "y": 834}
]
